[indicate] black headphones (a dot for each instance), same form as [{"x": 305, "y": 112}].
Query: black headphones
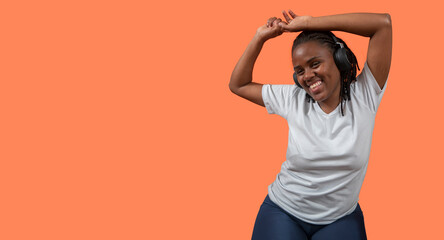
[{"x": 340, "y": 57}]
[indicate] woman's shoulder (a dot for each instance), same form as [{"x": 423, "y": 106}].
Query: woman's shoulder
[
  {"x": 367, "y": 78},
  {"x": 285, "y": 90},
  {"x": 366, "y": 89}
]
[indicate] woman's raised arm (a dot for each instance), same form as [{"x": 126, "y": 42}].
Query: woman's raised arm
[
  {"x": 241, "y": 79},
  {"x": 377, "y": 27}
]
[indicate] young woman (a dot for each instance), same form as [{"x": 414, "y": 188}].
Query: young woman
[{"x": 330, "y": 113}]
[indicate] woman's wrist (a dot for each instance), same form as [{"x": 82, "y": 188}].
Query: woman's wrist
[
  {"x": 259, "y": 38},
  {"x": 305, "y": 22}
]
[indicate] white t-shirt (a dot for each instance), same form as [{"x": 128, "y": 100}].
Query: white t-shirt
[{"x": 327, "y": 154}]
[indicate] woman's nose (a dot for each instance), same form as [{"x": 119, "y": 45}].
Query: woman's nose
[{"x": 308, "y": 75}]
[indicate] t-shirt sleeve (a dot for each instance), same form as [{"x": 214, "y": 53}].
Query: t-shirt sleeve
[
  {"x": 278, "y": 98},
  {"x": 367, "y": 89}
]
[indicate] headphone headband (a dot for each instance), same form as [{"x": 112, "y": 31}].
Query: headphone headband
[{"x": 337, "y": 41}]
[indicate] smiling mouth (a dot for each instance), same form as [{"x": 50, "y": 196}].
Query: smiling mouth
[{"x": 316, "y": 84}]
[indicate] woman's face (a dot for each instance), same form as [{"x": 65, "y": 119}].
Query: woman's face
[{"x": 317, "y": 72}]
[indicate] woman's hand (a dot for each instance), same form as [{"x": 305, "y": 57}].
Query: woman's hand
[
  {"x": 270, "y": 30},
  {"x": 294, "y": 23}
]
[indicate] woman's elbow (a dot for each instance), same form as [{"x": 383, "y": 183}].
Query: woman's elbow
[{"x": 387, "y": 20}]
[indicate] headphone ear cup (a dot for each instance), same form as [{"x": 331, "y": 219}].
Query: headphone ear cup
[
  {"x": 295, "y": 78},
  {"x": 341, "y": 60}
]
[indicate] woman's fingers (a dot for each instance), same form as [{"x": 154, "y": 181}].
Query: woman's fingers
[
  {"x": 292, "y": 13},
  {"x": 276, "y": 22},
  {"x": 270, "y": 21},
  {"x": 290, "y": 16},
  {"x": 287, "y": 18},
  {"x": 273, "y": 22}
]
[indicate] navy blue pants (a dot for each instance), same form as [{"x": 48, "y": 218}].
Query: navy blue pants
[{"x": 274, "y": 223}]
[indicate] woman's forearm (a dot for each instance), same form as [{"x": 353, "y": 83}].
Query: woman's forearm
[
  {"x": 243, "y": 71},
  {"x": 364, "y": 24}
]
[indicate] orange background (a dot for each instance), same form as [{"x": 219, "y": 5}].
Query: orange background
[{"x": 117, "y": 121}]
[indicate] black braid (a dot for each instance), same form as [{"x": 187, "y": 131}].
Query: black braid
[{"x": 347, "y": 77}]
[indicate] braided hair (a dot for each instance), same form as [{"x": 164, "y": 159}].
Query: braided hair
[{"x": 325, "y": 38}]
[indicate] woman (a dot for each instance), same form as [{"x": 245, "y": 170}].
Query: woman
[{"x": 330, "y": 114}]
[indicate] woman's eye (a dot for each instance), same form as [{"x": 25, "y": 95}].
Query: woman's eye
[
  {"x": 299, "y": 72},
  {"x": 315, "y": 64}
]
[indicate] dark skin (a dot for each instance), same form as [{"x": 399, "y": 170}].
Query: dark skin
[
  {"x": 377, "y": 27},
  {"x": 315, "y": 66}
]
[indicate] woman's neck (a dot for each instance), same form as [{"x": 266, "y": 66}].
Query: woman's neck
[{"x": 329, "y": 106}]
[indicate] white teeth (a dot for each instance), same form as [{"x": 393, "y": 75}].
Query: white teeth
[{"x": 315, "y": 84}]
